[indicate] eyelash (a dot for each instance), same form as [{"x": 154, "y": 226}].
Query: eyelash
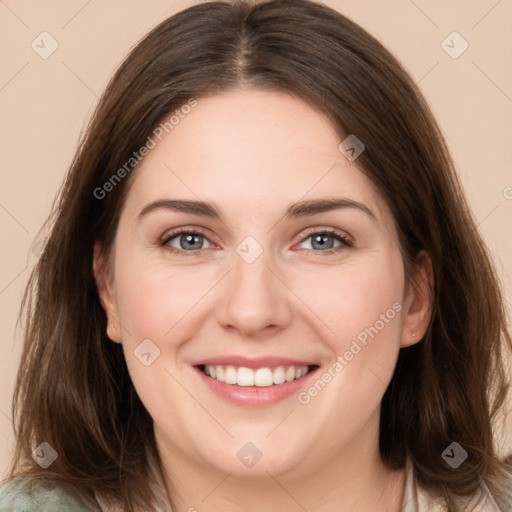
[{"x": 345, "y": 241}]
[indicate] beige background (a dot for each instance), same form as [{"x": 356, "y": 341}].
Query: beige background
[{"x": 45, "y": 102}]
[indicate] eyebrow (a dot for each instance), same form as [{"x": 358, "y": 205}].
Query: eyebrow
[{"x": 294, "y": 211}]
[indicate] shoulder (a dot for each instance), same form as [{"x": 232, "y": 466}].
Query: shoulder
[
  {"x": 418, "y": 499},
  {"x": 24, "y": 495},
  {"x": 480, "y": 501}
]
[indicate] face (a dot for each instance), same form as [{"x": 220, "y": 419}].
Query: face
[{"x": 265, "y": 323}]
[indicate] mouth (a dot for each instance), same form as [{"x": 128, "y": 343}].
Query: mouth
[
  {"x": 258, "y": 377},
  {"x": 263, "y": 382}
]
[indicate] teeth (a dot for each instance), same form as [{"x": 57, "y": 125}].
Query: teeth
[
  {"x": 279, "y": 376},
  {"x": 290, "y": 374},
  {"x": 262, "y": 377},
  {"x": 230, "y": 375},
  {"x": 245, "y": 377}
]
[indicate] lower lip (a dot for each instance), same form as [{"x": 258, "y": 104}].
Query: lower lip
[{"x": 254, "y": 395}]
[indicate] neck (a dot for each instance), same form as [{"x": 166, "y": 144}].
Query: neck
[{"x": 354, "y": 478}]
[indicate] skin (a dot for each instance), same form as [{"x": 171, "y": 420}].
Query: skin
[{"x": 252, "y": 153}]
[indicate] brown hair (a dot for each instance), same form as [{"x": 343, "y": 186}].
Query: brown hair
[{"x": 73, "y": 389}]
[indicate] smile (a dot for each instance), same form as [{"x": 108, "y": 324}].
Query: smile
[
  {"x": 256, "y": 381},
  {"x": 259, "y": 377}
]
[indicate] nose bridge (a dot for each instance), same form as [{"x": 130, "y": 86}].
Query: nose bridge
[
  {"x": 252, "y": 276},
  {"x": 255, "y": 298}
]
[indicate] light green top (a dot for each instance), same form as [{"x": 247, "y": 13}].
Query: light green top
[{"x": 19, "y": 495}]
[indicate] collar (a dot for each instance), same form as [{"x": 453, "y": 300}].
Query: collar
[
  {"x": 418, "y": 499},
  {"x": 415, "y": 497}
]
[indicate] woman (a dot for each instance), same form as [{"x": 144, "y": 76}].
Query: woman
[{"x": 332, "y": 338}]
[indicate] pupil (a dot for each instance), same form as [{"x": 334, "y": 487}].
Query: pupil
[
  {"x": 318, "y": 239},
  {"x": 190, "y": 239},
  {"x": 321, "y": 240}
]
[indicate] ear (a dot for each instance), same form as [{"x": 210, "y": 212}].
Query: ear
[
  {"x": 418, "y": 301},
  {"x": 106, "y": 292}
]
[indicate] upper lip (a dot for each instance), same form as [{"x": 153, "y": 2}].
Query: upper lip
[{"x": 251, "y": 362}]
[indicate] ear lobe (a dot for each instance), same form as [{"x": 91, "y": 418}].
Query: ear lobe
[
  {"x": 106, "y": 292},
  {"x": 418, "y": 303}
]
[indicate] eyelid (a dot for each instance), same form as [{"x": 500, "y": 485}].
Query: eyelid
[
  {"x": 168, "y": 235},
  {"x": 343, "y": 235},
  {"x": 344, "y": 238}
]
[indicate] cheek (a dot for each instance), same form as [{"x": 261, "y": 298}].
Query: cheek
[
  {"x": 153, "y": 298},
  {"x": 363, "y": 308},
  {"x": 357, "y": 301},
  {"x": 370, "y": 309}
]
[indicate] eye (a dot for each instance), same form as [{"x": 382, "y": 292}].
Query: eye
[
  {"x": 192, "y": 241},
  {"x": 324, "y": 241},
  {"x": 185, "y": 240}
]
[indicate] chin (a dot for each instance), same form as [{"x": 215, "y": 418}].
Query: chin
[{"x": 252, "y": 460}]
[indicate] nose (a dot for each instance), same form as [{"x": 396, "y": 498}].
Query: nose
[{"x": 256, "y": 299}]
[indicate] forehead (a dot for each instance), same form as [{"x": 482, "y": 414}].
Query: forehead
[{"x": 254, "y": 149}]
